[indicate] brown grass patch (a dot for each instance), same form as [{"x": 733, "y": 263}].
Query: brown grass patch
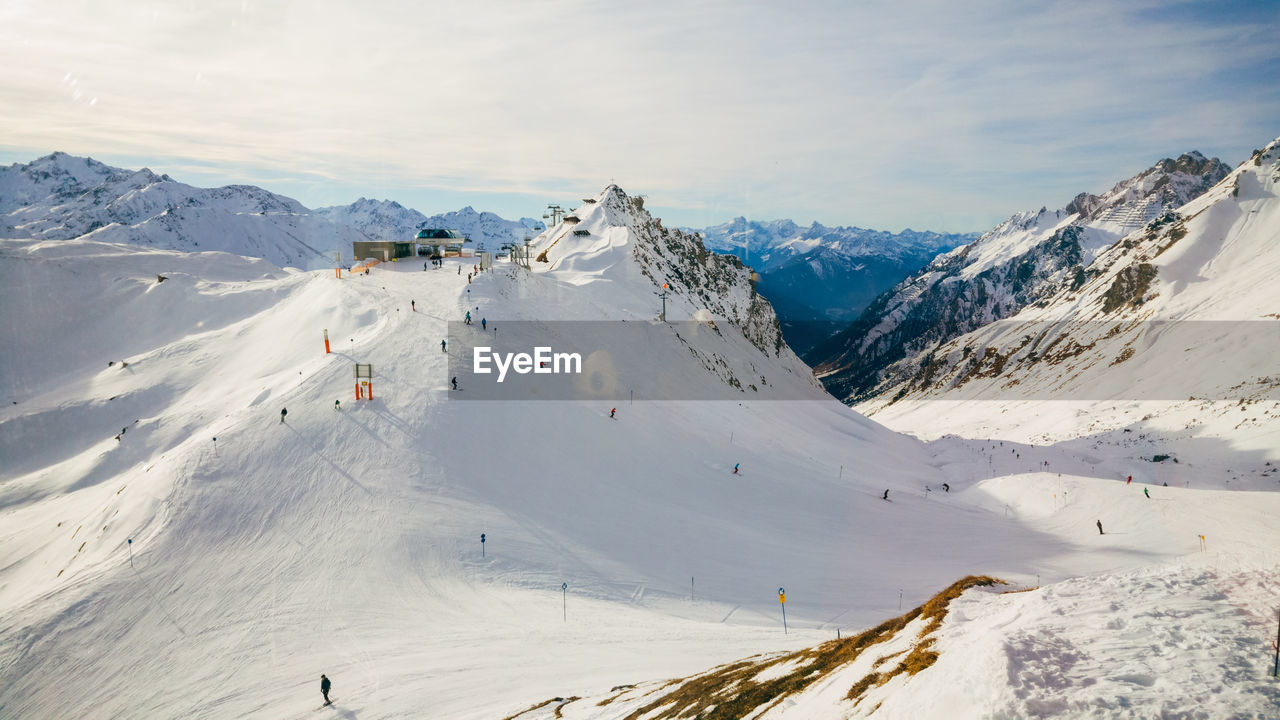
[
  {"x": 730, "y": 691},
  {"x": 560, "y": 707}
]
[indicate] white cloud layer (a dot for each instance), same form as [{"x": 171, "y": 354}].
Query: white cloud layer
[{"x": 937, "y": 115}]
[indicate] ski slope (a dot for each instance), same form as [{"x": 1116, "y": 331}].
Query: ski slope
[{"x": 346, "y": 541}]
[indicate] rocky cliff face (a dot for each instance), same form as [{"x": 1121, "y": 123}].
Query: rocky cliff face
[
  {"x": 1019, "y": 263},
  {"x": 614, "y": 237},
  {"x": 1183, "y": 308}
]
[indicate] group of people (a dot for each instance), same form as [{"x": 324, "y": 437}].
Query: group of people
[{"x": 466, "y": 320}]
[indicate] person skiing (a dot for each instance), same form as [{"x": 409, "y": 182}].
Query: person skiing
[
  {"x": 337, "y": 404},
  {"x": 1100, "y": 528},
  {"x": 946, "y": 487},
  {"x": 735, "y": 468},
  {"x": 455, "y": 382},
  {"x": 413, "y": 306},
  {"x": 324, "y": 689},
  {"x": 283, "y": 412},
  {"x": 612, "y": 413},
  {"x": 886, "y": 494},
  {"x": 1144, "y": 492},
  {"x": 484, "y": 324},
  {"x": 1129, "y": 481},
  {"x": 442, "y": 346},
  {"x": 467, "y": 320}
]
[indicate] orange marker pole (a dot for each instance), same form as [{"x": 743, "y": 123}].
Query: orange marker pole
[{"x": 326, "y": 341}]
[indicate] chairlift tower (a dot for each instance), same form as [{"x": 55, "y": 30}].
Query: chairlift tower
[
  {"x": 555, "y": 213},
  {"x": 663, "y": 295}
]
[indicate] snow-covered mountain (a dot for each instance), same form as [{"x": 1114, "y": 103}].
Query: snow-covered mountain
[
  {"x": 1180, "y": 319},
  {"x": 1020, "y": 262},
  {"x": 389, "y": 220},
  {"x": 59, "y": 197},
  {"x": 818, "y": 278},
  {"x": 591, "y": 240},
  {"x": 176, "y": 545}
]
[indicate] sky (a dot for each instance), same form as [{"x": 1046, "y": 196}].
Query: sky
[{"x": 941, "y": 116}]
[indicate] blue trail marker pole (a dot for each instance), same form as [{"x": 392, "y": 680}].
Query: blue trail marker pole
[
  {"x": 564, "y": 602},
  {"x": 1276, "y": 670},
  {"x": 215, "y": 447},
  {"x": 130, "y": 541},
  {"x": 481, "y": 544},
  {"x": 782, "y": 600}
]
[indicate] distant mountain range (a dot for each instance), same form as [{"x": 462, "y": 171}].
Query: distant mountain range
[
  {"x": 60, "y": 197},
  {"x": 820, "y": 278},
  {"x": 389, "y": 220},
  {"x": 1021, "y": 262}
]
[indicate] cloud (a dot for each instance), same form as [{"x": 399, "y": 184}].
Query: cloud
[{"x": 883, "y": 114}]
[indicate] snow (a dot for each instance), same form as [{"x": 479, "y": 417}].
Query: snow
[{"x": 345, "y": 541}]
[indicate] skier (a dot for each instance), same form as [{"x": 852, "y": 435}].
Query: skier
[
  {"x": 337, "y": 404},
  {"x": 735, "y": 468},
  {"x": 283, "y": 412},
  {"x": 1100, "y": 528},
  {"x": 455, "y": 382},
  {"x": 442, "y": 346},
  {"x": 612, "y": 413},
  {"x": 484, "y": 324},
  {"x": 467, "y": 320},
  {"x": 424, "y": 266},
  {"x": 1144, "y": 492},
  {"x": 946, "y": 487},
  {"x": 1129, "y": 481},
  {"x": 459, "y": 269},
  {"x": 413, "y": 306},
  {"x": 886, "y": 494},
  {"x": 324, "y": 689}
]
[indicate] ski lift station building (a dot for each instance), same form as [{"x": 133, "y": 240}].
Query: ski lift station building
[
  {"x": 442, "y": 240},
  {"x": 386, "y": 251},
  {"x": 430, "y": 241}
]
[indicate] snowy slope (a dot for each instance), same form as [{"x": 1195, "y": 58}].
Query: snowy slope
[
  {"x": 344, "y": 541},
  {"x": 1019, "y": 263},
  {"x": 59, "y": 197}
]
